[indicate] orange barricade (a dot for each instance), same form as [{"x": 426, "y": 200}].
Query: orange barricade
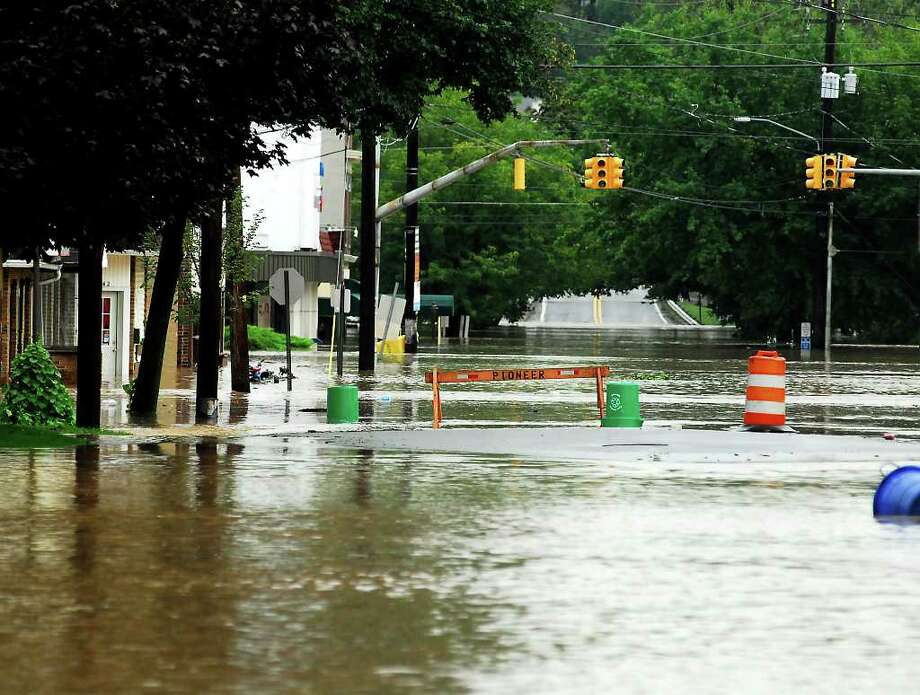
[
  {"x": 765, "y": 404},
  {"x": 436, "y": 378}
]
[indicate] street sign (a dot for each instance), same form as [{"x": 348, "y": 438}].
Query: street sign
[
  {"x": 334, "y": 299},
  {"x": 806, "y": 330},
  {"x": 276, "y": 285},
  {"x": 806, "y": 344}
]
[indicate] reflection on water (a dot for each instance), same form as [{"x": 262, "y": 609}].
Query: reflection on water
[
  {"x": 864, "y": 391},
  {"x": 272, "y": 563}
]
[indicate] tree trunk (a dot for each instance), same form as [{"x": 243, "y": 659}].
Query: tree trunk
[
  {"x": 239, "y": 340},
  {"x": 209, "y": 328},
  {"x": 235, "y": 270},
  {"x": 169, "y": 266},
  {"x": 89, "y": 327}
]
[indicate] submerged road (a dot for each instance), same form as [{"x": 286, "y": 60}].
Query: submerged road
[
  {"x": 658, "y": 445},
  {"x": 632, "y": 309}
]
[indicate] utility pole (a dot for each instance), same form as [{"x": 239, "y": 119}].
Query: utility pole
[
  {"x": 823, "y": 222},
  {"x": 410, "y": 329},
  {"x": 366, "y": 337}
]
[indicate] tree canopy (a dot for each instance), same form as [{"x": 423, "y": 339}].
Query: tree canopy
[
  {"x": 743, "y": 232},
  {"x": 714, "y": 206}
]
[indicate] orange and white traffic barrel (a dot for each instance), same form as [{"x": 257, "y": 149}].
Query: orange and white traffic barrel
[{"x": 765, "y": 406}]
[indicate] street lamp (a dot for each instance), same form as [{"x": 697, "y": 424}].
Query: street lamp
[{"x": 748, "y": 119}]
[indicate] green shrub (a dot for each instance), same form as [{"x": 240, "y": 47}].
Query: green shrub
[
  {"x": 265, "y": 339},
  {"x": 36, "y": 394}
]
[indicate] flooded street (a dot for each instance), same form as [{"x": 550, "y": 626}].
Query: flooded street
[{"x": 176, "y": 561}]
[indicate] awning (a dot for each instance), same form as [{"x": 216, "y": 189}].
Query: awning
[{"x": 314, "y": 266}]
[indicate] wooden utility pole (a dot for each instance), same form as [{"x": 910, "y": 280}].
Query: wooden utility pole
[
  {"x": 819, "y": 284},
  {"x": 368, "y": 305}
]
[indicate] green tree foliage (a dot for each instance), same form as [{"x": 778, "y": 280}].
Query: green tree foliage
[
  {"x": 414, "y": 49},
  {"x": 35, "y": 394},
  {"x": 749, "y": 242},
  {"x": 495, "y": 249}
]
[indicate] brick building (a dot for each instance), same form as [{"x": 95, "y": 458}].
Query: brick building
[{"x": 126, "y": 278}]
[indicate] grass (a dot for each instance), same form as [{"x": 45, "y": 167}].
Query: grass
[
  {"x": 271, "y": 341},
  {"x": 21, "y": 437},
  {"x": 709, "y": 318}
]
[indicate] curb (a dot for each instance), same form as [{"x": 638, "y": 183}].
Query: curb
[{"x": 675, "y": 307}]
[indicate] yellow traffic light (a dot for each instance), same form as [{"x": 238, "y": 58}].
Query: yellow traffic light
[
  {"x": 829, "y": 174},
  {"x": 847, "y": 178},
  {"x": 616, "y": 173},
  {"x": 596, "y": 172},
  {"x": 813, "y": 172},
  {"x": 519, "y": 184}
]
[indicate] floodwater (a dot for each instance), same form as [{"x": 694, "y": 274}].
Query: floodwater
[{"x": 272, "y": 562}]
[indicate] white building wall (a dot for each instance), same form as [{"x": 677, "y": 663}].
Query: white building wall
[
  {"x": 336, "y": 179},
  {"x": 285, "y": 197},
  {"x": 305, "y": 312},
  {"x": 116, "y": 277}
]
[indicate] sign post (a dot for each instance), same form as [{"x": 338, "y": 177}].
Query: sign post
[
  {"x": 286, "y": 286},
  {"x": 806, "y": 336},
  {"x": 287, "y": 323}
]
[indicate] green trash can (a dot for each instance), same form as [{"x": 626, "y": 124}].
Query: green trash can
[
  {"x": 622, "y": 405},
  {"x": 341, "y": 404}
]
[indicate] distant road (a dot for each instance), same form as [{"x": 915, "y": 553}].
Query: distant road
[{"x": 630, "y": 310}]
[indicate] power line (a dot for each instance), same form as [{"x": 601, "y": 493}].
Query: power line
[
  {"x": 676, "y": 39},
  {"x": 738, "y": 66},
  {"x": 757, "y": 21},
  {"x": 866, "y": 140},
  {"x": 671, "y": 44},
  {"x": 690, "y": 201},
  {"x": 845, "y": 13},
  {"x": 494, "y": 202}
]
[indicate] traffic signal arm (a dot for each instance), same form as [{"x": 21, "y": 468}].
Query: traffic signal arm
[{"x": 413, "y": 196}]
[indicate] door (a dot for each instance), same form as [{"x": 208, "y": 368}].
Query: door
[{"x": 110, "y": 336}]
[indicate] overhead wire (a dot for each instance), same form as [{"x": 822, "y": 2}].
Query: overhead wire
[
  {"x": 693, "y": 42},
  {"x": 713, "y": 203},
  {"x": 847, "y": 13},
  {"x": 864, "y": 139}
]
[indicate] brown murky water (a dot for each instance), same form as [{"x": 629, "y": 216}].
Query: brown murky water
[{"x": 273, "y": 563}]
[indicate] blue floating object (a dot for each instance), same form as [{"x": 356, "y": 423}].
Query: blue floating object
[{"x": 899, "y": 493}]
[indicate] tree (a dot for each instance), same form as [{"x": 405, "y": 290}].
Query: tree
[
  {"x": 238, "y": 272},
  {"x": 412, "y": 50},
  {"x": 495, "y": 249},
  {"x": 131, "y": 115},
  {"x": 745, "y": 234}
]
